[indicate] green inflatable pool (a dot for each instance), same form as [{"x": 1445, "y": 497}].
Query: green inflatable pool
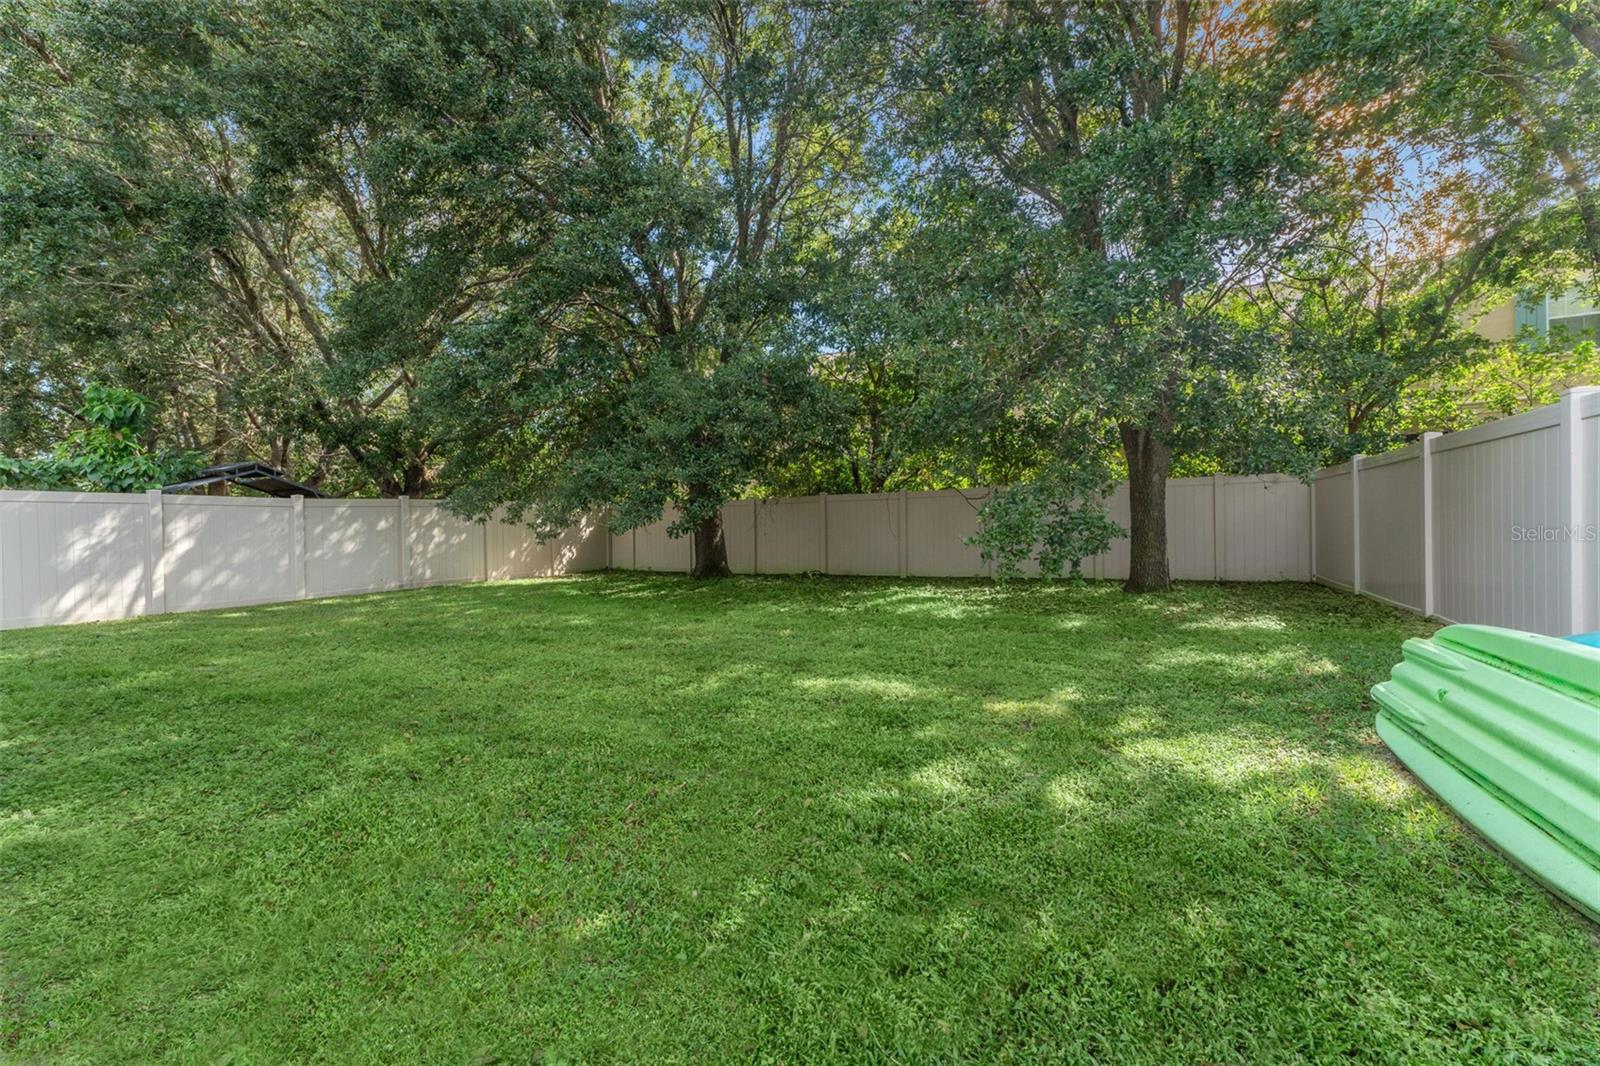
[{"x": 1505, "y": 728}]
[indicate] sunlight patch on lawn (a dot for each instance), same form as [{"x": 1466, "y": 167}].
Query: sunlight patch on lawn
[
  {"x": 885, "y": 688},
  {"x": 867, "y": 797},
  {"x": 589, "y": 926},
  {"x": 1057, "y": 704},
  {"x": 933, "y": 602},
  {"x": 1202, "y": 920},
  {"x": 1067, "y": 795},
  {"x": 1374, "y": 782},
  {"x": 1132, "y": 725},
  {"x": 1244, "y": 623},
  {"x": 947, "y": 778},
  {"x": 719, "y": 679},
  {"x": 1255, "y": 661},
  {"x": 1234, "y": 762}
]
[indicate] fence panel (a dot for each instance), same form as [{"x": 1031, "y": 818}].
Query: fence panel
[
  {"x": 1112, "y": 565},
  {"x": 623, "y": 556},
  {"x": 352, "y": 546},
  {"x": 73, "y": 556},
  {"x": 789, "y": 535},
  {"x": 937, "y": 525},
  {"x": 1392, "y": 514},
  {"x": 1588, "y": 510},
  {"x": 654, "y": 549},
  {"x": 739, "y": 534},
  {"x": 1264, "y": 526},
  {"x": 864, "y": 534},
  {"x": 584, "y": 546},
  {"x": 513, "y": 551},
  {"x": 442, "y": 547},
  {"x": 1334, "y": 532},
  {"x": 1192, "y": 528},
  {"x": 225, "y": 551},
  {"x": 1497, "y": 498}
]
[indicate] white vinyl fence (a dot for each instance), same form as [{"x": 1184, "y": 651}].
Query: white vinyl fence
[
  {"x": 79, "y": 557},
  {"x": 1218, "y": 529},
  {"x": 1499, "y": 524}
]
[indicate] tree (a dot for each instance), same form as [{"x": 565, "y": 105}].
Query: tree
[
  {"x": 110, "y": 451},
  {"x": 656, "y": 363},
  {"x": 1099, "y": 178},
  {"x": 1509, "y": 93},
  {"x": 1382, "y": 302},
  {"x": 276, "y": 215},
  {"x": 1515, "y": 376},
  {"x": 1466, "y": 135}
]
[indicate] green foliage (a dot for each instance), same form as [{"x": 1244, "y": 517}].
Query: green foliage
[
  {"x": 276, "y": 233},
  {"x": 655, "y": 360},
  {"x": 1093, "y": 184},
  {"x": 1054, "y": 525},
  {"x": 1361, "y": 322},
  {"x": 1515, "y": 376},
  {"x": 108, "y": 453},
  {"x": 912, "y": 822}
]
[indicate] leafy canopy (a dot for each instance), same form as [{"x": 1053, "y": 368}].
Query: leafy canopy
[{"x": 107, "y": 453}]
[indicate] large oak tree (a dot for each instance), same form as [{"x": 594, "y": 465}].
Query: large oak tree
[
  {"x": 655, "y": 362},
  {"x": 1105, "y": 175}
]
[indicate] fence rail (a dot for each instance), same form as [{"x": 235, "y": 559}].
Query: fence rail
[{"x": 1499, "y": 524}]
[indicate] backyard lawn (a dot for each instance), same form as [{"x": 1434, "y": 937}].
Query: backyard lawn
[{"x": 621, "y": 817}]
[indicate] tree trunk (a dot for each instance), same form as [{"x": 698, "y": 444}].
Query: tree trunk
[
  {"x": 1149, "y": 460},
  {"x": 710, "y": 550}
]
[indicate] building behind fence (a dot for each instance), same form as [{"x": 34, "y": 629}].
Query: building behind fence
[{"x": 1496, "y": 524}]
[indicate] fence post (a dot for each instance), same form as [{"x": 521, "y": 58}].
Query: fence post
[
  {"x": 483, "y": 550},
  {"x": 297, "y": 564},
  {"x": 822, "y": 532},
  {"x": 1355, "y": 520},
  {"x": 1216, "y": 527},
  {"x": 988, "y": 494},
  {"x": 1312, "y": 503},
  {"x": 1428, "y": 553},
  {"x": 405, "y": 542},
  {"x": 156, "y": 552},
  {"x": 905, "y": 532},
  {"x": 1576, "y": 485}
]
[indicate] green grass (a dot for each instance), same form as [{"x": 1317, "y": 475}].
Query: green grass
[{"x": 634, "y": 818}]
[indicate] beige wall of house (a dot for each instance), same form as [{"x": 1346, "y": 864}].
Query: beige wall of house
[{"x": 1498, "y": 323}]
